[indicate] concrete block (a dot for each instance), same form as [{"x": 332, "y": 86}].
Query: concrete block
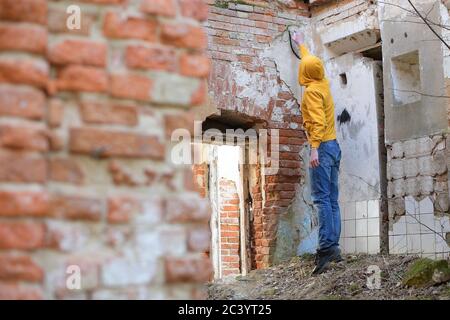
[
  {"x": 440, "y": 162},
  {"x": 426, "y": 184},
  {"x": 441, "y": 186},
  {"x": 410, "y": 148},
  {"x": 390, "y": 189},
  {"x": 412, "y": 186},
  {"x": 389, "y": 170},
  {"x": 442, "y": 202},
  {"x": 399, "y": 187},
  {"x": 410, "y": 167},
  {"x": 397, "y": 150},
  {"x": 425, "y": 165},
  {"x": 439, "y": 142},
  {"x": 389, "y": 154},
  {"x": 397, "y": 169},
  {"x": 424, "y": 145}
]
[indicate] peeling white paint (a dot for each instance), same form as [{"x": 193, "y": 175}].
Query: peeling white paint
[{"x": 254, "y": 86}]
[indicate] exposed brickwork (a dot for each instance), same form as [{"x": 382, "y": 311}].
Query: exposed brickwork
[
  {"x": 239, "y": 37},
  {"x": 229, "y": 228},
  {"x": 85, "y": 176}
]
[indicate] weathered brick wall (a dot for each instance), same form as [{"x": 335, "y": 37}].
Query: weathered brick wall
[
  {"x": 332, "y": 11},
  {"x": 229, "y": 228},
  {"x": 200, "y": 178},
  {"x": 244, "y": 79},
  {"x": 85, "y": 171}
]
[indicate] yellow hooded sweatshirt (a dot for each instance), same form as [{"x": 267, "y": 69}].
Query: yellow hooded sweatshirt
[{"x": 317, "y": 103}]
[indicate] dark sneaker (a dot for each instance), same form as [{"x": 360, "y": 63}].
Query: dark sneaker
[
  {"x": 324, "y": 258},
  {"x": 337, "y": 256}
]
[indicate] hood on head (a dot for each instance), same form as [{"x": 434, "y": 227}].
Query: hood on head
[{"x": 311, "y": 70}]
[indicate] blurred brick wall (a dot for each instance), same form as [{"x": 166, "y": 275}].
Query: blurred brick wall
[{"x": 85, "y": 171}]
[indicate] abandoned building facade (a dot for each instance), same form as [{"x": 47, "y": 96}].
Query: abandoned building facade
[
  {"x": 90, "y": 119},
  {"x": 388, "y": 74}
]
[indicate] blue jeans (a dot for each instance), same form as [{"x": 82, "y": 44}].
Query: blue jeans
[{"x": 325, "y": 193}]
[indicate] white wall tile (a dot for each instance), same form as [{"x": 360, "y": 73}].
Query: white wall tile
[
  {"x": 413, "y": 242},
  {"x": 342, "y": 243},
  {"x": 350, "y": 245},
  {"x": 373, "y": 245},
  {"x": 361, "y": 244},
  {"x": 349, "y": 226},
  {"x": 350, "y": 211},
  {"x": 373, "y": 208},
  {"x": 373, "y": 227},
  {"x": 428, "y": 243},
  {"x": 399, "y": 227},
  {"x": 398, "y": 245},
  {"x": 441, "y": 244},
  {"x": 410, "y": 205},
  {"x": 361, "y": 227},
  {"x": 412, "y": 225},
  {"x": 427, "y": 223},
  {"x": 442, "y": 225},
  {"x": 361, "y": 209},
  {"x": 426, "y": 206},
  {"x": 428, "y": 255}
]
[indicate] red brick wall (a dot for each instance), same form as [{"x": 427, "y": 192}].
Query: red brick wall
[
  {"x": 85, "y": 171},
  {"x": 238, "y": 39},
  {"x": 229, "y": 228},
  {"x": 200, "y": 178}
]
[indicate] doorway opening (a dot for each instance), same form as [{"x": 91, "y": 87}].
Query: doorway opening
[{"x": 230, "y": 171}]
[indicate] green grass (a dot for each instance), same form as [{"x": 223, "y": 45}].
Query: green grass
[{"x": 224, "y": 4}]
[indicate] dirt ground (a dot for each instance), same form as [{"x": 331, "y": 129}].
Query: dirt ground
[{"x": 345, "y": 280}]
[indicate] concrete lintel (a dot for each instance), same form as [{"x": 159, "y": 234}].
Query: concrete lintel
[{"x": 351, "y": 35}]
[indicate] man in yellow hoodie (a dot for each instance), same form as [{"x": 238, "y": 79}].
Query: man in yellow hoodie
[{"x": 318, "y": 120}]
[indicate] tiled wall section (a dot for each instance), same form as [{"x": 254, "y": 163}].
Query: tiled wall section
[
  {"x": 360, "y": 226},
  {"x": 419, "y": 231}
]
